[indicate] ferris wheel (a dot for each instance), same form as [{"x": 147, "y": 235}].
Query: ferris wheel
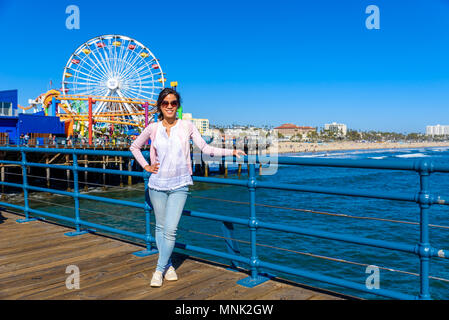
[{"x": 115, "y": 67}]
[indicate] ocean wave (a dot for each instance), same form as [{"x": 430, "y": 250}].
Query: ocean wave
[
  {"x": 377, "y": 158},
  {"x": 443, "y": 149},
  {"x": 349, "y": 153},
  {"x": 412, "y": 155}
]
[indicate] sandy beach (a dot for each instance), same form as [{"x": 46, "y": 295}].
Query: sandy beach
[{"x": 288, "y": 147}]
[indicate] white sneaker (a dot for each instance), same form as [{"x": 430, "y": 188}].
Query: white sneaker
[
  {"x": 156, "y": 281},
  {"x": 171, "y": 275}
]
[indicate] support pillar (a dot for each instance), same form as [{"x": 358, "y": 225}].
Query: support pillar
[{"x": 91, "y": 102}]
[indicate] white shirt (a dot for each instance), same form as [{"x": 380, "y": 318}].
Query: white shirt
[{"x": 173, "y": 170}]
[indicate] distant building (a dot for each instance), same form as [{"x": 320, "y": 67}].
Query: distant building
[
  {"x": 37, "y": 123},
  {"x": 339, "y": 128},
  {"x": 288, "y": 130},
  {"x": 243, "y": 133},
  {"x": 201, "y": 124},
  {"x": 437, "y": 130},
  {"x": 187, "y": 116},
  {"x": 13, "y": 123}
]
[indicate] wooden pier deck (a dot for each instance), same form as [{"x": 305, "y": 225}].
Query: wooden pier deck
[{"x": 34, "y": 257}]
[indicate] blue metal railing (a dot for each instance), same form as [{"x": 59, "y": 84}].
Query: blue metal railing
[{"x": 424, "y": 198}]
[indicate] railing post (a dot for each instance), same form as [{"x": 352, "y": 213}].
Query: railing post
[
  {"x": 145, "y": 107},
  {"x": 76, "y": 199},
  {"x": 25, "y": 190},
  {"x": 91, "y": 102},
  {"x": 255, "y": 278},
  {"x": 424, "y": 251},
  {"x": 148, "y": 239},
  {"x": 253, "y": 220}
]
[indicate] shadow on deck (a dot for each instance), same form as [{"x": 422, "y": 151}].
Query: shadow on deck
[{"x": 34, "y": 257}]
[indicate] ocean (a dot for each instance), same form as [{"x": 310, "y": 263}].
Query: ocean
[{"x": 370, "y": 218}]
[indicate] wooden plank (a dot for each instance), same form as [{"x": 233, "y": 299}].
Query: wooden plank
[
  {"x": 293, "y": 291},
  {"x": 139, "y": 279},
  {"x": 319, "y": 296},
  {"x": 11, "y": 221},
  {"x": 224, "y": 281},
  {"x": 42, "y": 241},
  {"x": 52, "y": 159},
  {"x": 96, "y": 284},
  {"x": 33, "y": 282},
  {"x": 189, "y": 284},
  {"x": 34, "y": 257},
  {"x": 204, "y": 287},
  {"x": 139, "y": 290},
  {"x": 10, "y": 247},
  {"x": 50, "y": 276},
  {"x": 239, "y": 292},
  {"x": 59, "y": 281},
  {"x": 23, "y": 238},
  {"x": 111, "y": 287},
  {"x": 63, "y": 259},
  {"x": 13, "y": 237},
  {"x": 187, "y": 273},
  {"x": 14, "y": 225},
  {"x": 11, "y": 227},
  {"x": 40, "y": 252},
  {"x": 169, "y": 289},
  {"x": 287, "y": 293}
]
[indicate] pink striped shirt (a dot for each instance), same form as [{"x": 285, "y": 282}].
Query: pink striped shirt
[{"x": 187, "y": 131}]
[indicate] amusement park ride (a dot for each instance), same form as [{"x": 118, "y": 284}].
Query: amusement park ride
[{"x": 109, "y": 83}]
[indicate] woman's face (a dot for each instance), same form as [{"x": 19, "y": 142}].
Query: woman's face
[{"x": 169, "y": 106}]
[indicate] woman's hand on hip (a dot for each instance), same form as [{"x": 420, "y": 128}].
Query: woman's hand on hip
[
  {"x": 153, "y": 168},
  {"x": 238, "y": 152}
]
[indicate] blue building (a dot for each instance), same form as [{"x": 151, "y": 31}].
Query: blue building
[{"x": 15, "y": 123}]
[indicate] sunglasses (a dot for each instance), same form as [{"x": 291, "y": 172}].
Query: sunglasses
[{"x": 173, "y": 103}]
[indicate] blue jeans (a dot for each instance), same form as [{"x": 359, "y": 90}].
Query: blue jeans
[{"x": 167, "y": 206}]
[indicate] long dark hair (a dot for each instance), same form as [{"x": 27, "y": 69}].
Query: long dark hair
[{"x": 164, "y": 93}]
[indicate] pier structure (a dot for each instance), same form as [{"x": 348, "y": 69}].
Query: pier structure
[
  {"x": 258, "y": 272},
  {"x": 36, "y": 260},
  {"x": 57, "y": 179}
]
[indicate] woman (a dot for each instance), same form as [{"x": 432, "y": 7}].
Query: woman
[{"x": 171, "y": 174}]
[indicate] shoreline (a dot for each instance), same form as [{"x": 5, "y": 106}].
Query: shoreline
[{"x": 302, "y": 147}]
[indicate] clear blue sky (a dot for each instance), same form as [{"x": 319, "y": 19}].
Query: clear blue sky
[{"x": 257, "y": 62}]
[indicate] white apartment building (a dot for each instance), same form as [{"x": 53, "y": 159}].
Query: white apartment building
[
  {"x": 201, "y": 124},
  {"x": 339, "y": 128},
  {"x": 437, "y": 130},
  {"x": 242, "y": 132}
]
